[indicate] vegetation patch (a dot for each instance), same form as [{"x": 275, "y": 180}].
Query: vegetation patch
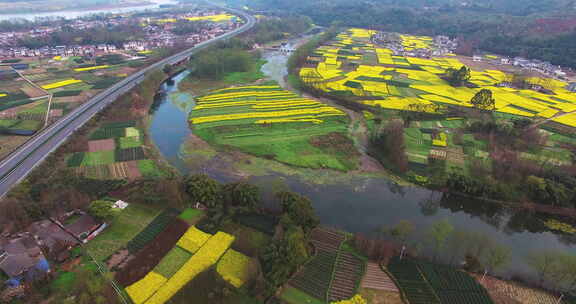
[
  {"x": 172, "y": 262},
  {"x": 123, "y": 228},
  {"x": 271, "y": 123},
  {"x": 152, "y": 230}
]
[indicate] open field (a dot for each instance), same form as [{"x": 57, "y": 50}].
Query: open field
[
  {"x": 123, "y": 228},
  {"x": 115, "y": 151},
  {"x": 270, "y": 122}
]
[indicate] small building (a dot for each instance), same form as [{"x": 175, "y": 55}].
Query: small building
[
  {"x": 83, "y": 226},
  {"x": 22, "y": 258}
]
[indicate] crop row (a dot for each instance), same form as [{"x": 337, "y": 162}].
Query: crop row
[
  {"x": 347, "y": 275},
  {"x": 315, "y": 277},
  {"x": 424, "y": 282},
  {"x": 152, "y": 230},
  {"x": 412, "y": 283}
]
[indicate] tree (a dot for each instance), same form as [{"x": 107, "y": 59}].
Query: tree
[
  {"x": 483, "y": 100},
  {"x": 458, "y": 77},
  {"x": 497, "y": 257},
  {"x": 439, "y": 232},
  {"x": 241, "y": 194},
  {"x": 101, "y": 210},
  {"x": 402, "y": 230},
  {"x": 456, "y": 243},
  {"x": 282, "y": 257},
  {"x": 203, "y": 189},
  {"x": 547, "y": 264},
  {"x": 299, "y": 209},
  {"x": 389, "y": 146}
]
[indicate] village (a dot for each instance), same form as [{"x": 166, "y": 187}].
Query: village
[
  {"x": 444, "y": 46},
  {"x": 157, "y": 33},
  {"x": 34, "y": 252}
]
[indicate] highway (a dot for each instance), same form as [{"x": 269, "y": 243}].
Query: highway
[{"x": 22, "y": 161}]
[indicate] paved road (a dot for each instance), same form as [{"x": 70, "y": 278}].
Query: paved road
[{"x": 21, "y": 162}]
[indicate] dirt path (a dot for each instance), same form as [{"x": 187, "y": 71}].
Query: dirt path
[{"x": 48, "y": 94}]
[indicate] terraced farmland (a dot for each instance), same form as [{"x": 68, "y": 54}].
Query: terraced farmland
[
  {"x": 347, "y": 274},
  {"x": 315, "y": 278},
  {"x": 375, "y": 278},
  {"x": 332, "y": 274},
  {"x": 270, "y": 122}
]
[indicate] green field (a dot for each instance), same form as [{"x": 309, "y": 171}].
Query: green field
[
  {"x": 294, "y": 296},
  {"x": 270, "y": 122},
  {"x": 191, "y": 215},
  {"x": 172, "y": 262},
  {"x": 123, "y": 228}
]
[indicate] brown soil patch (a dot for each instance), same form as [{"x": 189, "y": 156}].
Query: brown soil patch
[
  {"x": 68, "y": 266},
  {"x": 118, "y": 170},
  {"x": 101, "y": 145},
  {"x": 117, "y": 258},
  {"x": 133, "y": 170},
  {"x": 375, "y": 296},
  {"x": 10, "y": 143},
  {"x": 32, "y": 91},
  {"x": 369, "y": 164},
  {"x": 505, "y": 292},
  {"x": 69, "y": 99},
  {"x": 56, "y": 112},
  {"x": 147, "y": 258},
  {"x": 335, "y": 141}
]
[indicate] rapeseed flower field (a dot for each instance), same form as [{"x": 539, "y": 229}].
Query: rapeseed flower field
[
  {"x": 271, "y": 122},
  {"x": 396, "y": 82}
]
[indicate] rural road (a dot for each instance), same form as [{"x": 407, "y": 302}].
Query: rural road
[{"x": 22, "y": 161}]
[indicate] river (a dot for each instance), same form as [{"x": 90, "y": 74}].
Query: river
[
  {"x": 71, "y": 14},
  {"x": 359, "y": 203}
]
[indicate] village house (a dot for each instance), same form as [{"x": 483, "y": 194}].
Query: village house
[{"x": 22, "y": 259}]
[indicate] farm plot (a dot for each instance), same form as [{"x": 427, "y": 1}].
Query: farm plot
[
  {"x": 424, "y": 282},
  {"x": 114, "y": 151},
  {"x": 149, "y": 257},
  {"x": 411, "y": 282},
  {"x": 347, "y": 274},
  {"x": 122, "y": 229},
  {"x": 375, "y": 278},
  {"x": 507, "y": 291},
  {"x": 180, "y": 273},
  {"x": 331, "y": 274},
  {"x": 152, "y": 230},
  {"x": 404, "y": 83},
  {"x": 270, "y": 122}
]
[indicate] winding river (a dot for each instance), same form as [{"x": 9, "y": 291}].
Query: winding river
[{"x": 359, "y": 203}]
